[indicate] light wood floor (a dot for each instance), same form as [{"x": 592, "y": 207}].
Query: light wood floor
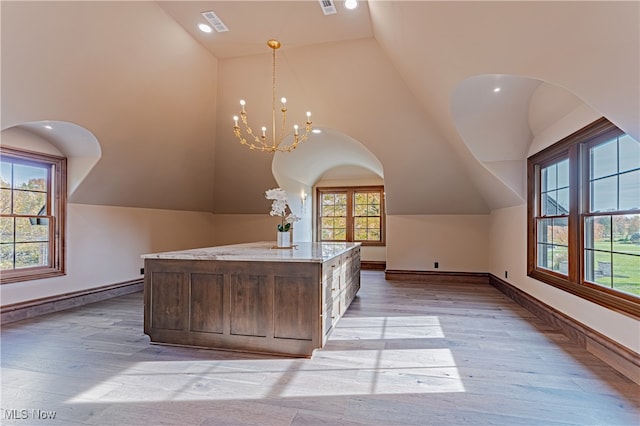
[{"x": 405, "y": 353}]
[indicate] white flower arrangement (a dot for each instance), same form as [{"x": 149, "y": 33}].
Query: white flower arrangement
[{"x": 281, "y": 208}]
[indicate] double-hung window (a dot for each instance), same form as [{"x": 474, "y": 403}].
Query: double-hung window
[
  {"x": 351, "y": 214},
  {"x": 584, "y": 216},
  {"x": 32, "y": 207}
]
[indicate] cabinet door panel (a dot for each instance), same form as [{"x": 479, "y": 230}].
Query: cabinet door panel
[
  {"x": 248, "y": 310},
  {"x": 167, "y": 303},
  {"x": 207, "y": 302},
  {"x": 293, "y": 315}
]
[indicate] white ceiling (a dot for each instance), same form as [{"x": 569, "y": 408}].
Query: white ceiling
[
  {"x": 252, "y": 23},
  {"x": 411, "y": 81}
]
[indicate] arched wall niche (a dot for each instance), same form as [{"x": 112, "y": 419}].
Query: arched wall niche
[
  {"x": 298, "y": 172},
  {"x": 78, "y": 144},
  {"x": 498, "y": 117}
]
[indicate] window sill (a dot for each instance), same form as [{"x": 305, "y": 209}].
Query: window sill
[
  {"x": 619, "y": 302},
  {"x": 30, "y": 274}
]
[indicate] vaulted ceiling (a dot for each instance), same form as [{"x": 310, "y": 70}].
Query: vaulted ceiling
[{"x": 412, "y": 82}]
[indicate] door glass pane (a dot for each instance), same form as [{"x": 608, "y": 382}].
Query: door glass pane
[{"x": 604, "y": 159}]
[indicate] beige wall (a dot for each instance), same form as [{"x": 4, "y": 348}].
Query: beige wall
[
  {"x": 104, "y": 245},
  {"x": 457, "y": 242},
  {"x": 508, "y": 247},
  {"x": 245, "y": 228},
  {"x": 508, "y": 238}
]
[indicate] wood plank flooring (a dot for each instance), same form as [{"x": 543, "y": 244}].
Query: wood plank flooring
[{"x": 404, "y": 354}]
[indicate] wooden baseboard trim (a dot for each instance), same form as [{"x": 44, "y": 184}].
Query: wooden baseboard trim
[
  {"x": 623, "y": 359},
  {"x": 373, "y": 265},
  {"x": 33, "y": 308},
  {"x": 437, "y": 276}
]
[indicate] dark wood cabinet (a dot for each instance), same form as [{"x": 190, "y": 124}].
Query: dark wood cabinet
[{"x": 286, "y": 308}]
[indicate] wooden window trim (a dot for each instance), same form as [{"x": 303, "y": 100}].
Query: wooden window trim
[
  {"x": 350, "y": 190},
  {"x": 58, "y": 211},
  {"x": 572, "y": 147}
]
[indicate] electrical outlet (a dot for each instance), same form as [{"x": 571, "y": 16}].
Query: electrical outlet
[
  {"x": 436, "y": 265},
  {"x": 141, "y": 271}
]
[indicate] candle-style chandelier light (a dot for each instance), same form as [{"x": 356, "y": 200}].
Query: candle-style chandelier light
[{"x": 260, "y": 142}]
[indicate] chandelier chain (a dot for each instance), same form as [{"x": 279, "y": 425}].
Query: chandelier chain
[{"x": 260, "y": 143}]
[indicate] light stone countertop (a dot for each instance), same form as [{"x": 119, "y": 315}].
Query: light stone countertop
[{"x": 263, "y": 251}]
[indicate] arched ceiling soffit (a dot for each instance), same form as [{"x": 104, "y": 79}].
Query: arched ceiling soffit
[
  {"x": 320, "y": 153},
  {"x": 78, "y": 144},
  {"x": 498, "y": 116}
]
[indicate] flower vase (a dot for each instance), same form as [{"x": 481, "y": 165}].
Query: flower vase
[{"x": 283, "y": 239}]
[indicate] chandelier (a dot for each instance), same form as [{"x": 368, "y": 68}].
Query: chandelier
[{"x": 260, "y": 142}]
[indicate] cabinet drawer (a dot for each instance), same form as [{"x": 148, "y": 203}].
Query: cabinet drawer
[{"x": 330, "y": 267}]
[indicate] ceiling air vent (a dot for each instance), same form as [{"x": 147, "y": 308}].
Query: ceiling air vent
[
  {"x": 215, "y": 22},
  {"x": 328, "y": 8}
]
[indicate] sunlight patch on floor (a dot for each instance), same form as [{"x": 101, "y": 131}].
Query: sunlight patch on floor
[
  {"x": 360, "y": 372},
  {"x": 380, "y": 328}
]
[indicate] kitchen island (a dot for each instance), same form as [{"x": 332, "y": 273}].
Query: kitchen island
[{"x": 250, "y": 297}]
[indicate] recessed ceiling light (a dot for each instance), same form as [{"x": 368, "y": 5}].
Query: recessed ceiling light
[
  {"x": 204, "y": 28},
  {"x": 316, "y": 131},
  {"x": 351, "y": 4},
  {"x": 496, "y": 90}
]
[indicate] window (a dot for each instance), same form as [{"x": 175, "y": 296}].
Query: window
[
  {"x": 584, "y": 216},
  {"x": 553, "y": 219},
  {"x": 33, "y": 200},
  {"x": 351, "y": 214}
]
